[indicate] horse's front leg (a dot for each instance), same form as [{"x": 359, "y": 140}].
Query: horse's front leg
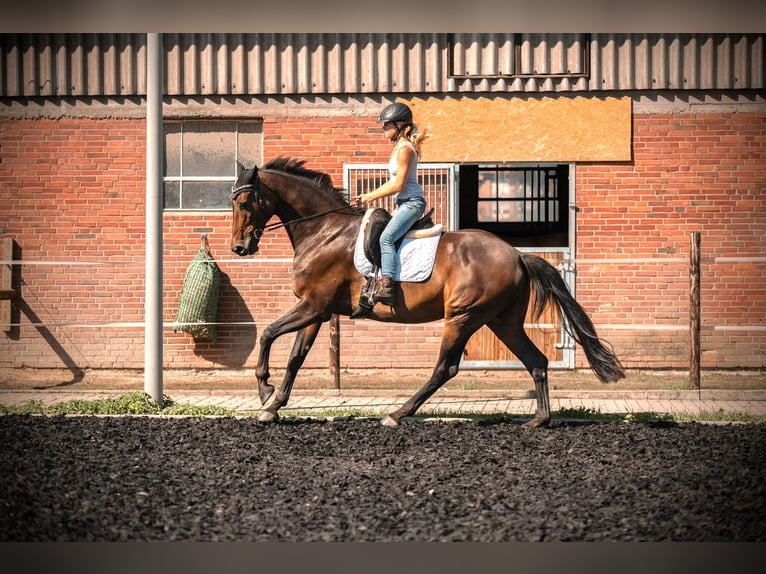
[
  {"x": 299, "y": 317},
  {"x": 303, "y": 343}
]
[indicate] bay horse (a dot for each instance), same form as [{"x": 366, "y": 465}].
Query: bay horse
[{"x": 478, "y": 279}]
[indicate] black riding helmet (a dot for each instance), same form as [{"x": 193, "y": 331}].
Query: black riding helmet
[{"x": 397, "y": 113}]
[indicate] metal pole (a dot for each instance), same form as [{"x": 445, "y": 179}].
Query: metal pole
[{"x": 153, "y": 273}]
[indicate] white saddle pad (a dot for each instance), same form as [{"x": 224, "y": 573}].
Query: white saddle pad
[{"x": 414, "y": 259}]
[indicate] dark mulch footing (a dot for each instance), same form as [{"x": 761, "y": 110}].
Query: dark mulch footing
[{"x": 147, "y": 478}]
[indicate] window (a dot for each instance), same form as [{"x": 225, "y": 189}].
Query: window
[
  {"x": 508, "y": 195},
  {"x": 527, "y": 204},
  {"x": 437, "y": 179},
  {"x": 200, "y": 165},
  {"x": 494, "y": 56}
]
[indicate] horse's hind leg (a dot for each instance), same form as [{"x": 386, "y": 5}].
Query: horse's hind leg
[
  {"x": 535, "y": 362},
  {"x": 537, "y": 365},
  {"x": 454, "y": 340},
  {"x": 304, "y": 340}
]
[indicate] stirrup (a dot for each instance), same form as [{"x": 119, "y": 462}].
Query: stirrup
[
  {"x": 366, "y": 299},
  {"x": 362, "y": 311}
]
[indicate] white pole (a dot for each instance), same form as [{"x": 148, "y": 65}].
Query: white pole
[{"x": 153, "y": 273}]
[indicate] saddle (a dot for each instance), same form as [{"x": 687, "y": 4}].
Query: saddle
[
  {"x": 375, "y": 221},
  {"x": 373, "y": 224}
]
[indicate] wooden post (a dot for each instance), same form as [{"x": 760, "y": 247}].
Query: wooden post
[
  {"x": 335, "y": 350},
  {"x": 695, "y": 311},
  {"x": 7, "y": 293}
]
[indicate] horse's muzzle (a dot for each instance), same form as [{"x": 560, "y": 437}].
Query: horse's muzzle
[{"x": 246, "y": 246}]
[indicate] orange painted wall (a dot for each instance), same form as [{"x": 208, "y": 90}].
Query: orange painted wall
[{"x": 500, "y": 129}]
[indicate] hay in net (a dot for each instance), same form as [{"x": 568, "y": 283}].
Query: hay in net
[{"x": 198, "y": 301}]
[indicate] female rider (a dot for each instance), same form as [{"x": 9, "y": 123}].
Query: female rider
[{"x": 403, "y": 184}]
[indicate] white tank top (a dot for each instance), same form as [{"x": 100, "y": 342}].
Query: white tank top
[{"x": 412, "y": 187}]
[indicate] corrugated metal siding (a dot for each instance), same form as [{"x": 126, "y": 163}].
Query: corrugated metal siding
[
  {"x": 72, "y": 65},
  {"x": 677, "y": 62},
  {"x": 231, "y": 64},
  {"x": 294, "y": 64}
]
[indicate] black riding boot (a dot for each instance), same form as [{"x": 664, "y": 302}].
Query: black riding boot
[
  {"x": 385, "y": 291},
  {"x": 374, "y": 291}
]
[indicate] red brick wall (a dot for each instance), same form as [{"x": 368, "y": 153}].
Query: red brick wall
[
  {"x": 706, "y": 173},
  {"x": 73, "y": 191}
]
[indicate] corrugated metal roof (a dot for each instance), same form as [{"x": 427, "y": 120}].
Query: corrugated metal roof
[
  {"x": 72, "y": 64},
  {"x": 317, "y": 63}
]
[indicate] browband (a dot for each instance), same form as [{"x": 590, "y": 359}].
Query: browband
[{"x": 235, "y": 191}]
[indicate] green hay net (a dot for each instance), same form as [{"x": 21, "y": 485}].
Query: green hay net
[{"x": 198, "y": 301}]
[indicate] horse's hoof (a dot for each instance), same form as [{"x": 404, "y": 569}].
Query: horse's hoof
[
  {"x": 388, "y": 421},
  {"x": 268, "y": 417},
  {"x": 537, "y": 423}
]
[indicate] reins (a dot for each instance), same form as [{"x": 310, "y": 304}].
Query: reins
[
  {"x": 235, "y": 191},
  {"x": 278, "y": 224}
]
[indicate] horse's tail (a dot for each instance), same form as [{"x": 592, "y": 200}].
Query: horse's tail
[{"x": 549, "y": 286}]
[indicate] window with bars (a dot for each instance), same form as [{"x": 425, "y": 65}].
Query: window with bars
[
  {"x": 437, "y": 180},
  {"x": 516, "y": 201},
  {"x": 200, "y": 165}
]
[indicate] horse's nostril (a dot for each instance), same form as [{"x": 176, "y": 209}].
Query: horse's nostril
[{"x": 238, "y": 249}]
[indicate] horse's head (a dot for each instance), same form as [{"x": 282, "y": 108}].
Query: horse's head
[{"x": 250, "y": 211}]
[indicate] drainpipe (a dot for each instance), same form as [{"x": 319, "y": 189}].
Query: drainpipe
[{"x": 153, "y": 272}]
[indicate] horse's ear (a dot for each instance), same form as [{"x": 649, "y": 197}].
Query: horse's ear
[{"x": 240, "y": 167}]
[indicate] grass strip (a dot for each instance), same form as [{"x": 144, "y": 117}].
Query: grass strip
[{"x": 140, "y": 403}]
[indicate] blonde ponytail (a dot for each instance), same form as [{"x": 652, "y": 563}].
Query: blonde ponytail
[{"x": 415, "y": 138}]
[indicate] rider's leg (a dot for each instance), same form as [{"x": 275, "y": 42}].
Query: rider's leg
[{"x": 406, "y": 213}]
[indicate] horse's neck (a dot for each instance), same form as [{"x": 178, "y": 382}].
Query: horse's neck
[
  {"x": 298, "y": 199},
  {"x": 296, "y": 195}
]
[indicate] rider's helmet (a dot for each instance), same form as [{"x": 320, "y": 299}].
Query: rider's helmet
[{"x": 397, "y": 113}]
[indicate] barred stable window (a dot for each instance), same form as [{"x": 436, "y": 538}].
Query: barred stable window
[
  {"x": 519, "y": 195},
  {"x": 516, "y": 201},
  {"x": 200, "y": 160}
]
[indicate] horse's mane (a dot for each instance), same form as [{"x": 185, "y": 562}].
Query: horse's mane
[{"x": 297, "y": 167}]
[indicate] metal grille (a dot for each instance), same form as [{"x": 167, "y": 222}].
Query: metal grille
[
  {"x": 437, "y": 179},
  {"x": 524, "y": 197}
]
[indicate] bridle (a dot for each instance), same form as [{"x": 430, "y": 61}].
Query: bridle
[{"x": 256, "y": 189}]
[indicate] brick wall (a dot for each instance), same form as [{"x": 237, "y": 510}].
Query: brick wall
[
  {"x": 73, "y": 200},
  {"x": 703, "y": 172},
  {"x": 73, "y": 192}
]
